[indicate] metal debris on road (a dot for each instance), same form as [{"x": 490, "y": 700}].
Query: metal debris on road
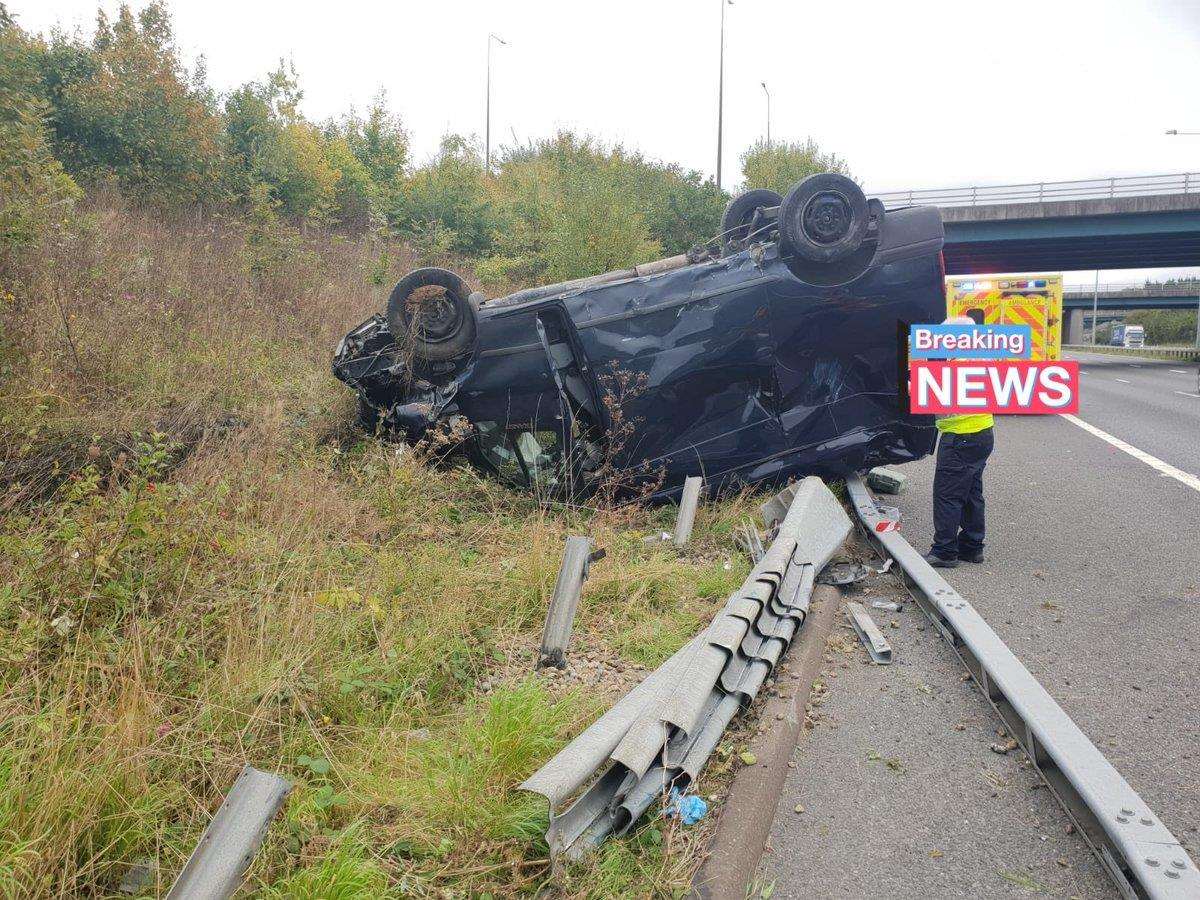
[
  {"x": 868, "y": 632},
  {"x": 842, "y": 572},
  {"x": 215, "y": 869},
  {"x": 661, "y": 734},
  {"x": 568, "y": 587},
  {"x": 688, "y": 501}
]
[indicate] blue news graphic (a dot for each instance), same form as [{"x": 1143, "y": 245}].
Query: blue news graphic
[{"x": 970, "y": 341}]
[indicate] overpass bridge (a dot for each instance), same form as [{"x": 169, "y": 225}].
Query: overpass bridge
[
  {"x": 1140, "y": 222},
  {"x": 1133, "y": 296}
]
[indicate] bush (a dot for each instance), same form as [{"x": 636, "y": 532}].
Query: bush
[
  {"x": 36, "y": 195},
  {"x": 571, "y": 207},
  {"x": 1165, "y": 327},
  {"x": 779, "y": 165},
  {"x": 448, "y": 197}
]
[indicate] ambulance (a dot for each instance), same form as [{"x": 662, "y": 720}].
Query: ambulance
[{"x": 1033, "y": 300}]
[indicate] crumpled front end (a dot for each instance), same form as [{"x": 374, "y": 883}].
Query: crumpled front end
[{"x": 392, "y": 397}]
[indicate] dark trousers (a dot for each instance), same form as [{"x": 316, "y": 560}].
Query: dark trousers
[{"x": 958, "y": 493}]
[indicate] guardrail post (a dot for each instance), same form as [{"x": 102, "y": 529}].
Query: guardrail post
[
  {"x": 568, "y": 587},
  {"x": 688, "y": 501},
  {"x": 1041, "y": 191},
  {"x": 1186, "y": 179},
  {"x": 1112, "y": 187},
  {"x": 974, "y": 195},
  {"x": 214, "y": 870}
]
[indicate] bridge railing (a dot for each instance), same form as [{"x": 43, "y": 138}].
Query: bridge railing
[
  {"x": 1046, "y": 191},
  {"x": 1137, "y": 289}
]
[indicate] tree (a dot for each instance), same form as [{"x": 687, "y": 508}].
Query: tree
[
  {"x": 1166, "y": 327},
  {"x": 380, "y": 143},
  {"x": 448, "y": 197},
  {"x": 777, "y": 166},
  {"x": 125, "y": 108},
  {"x": 35, "y": 193},
  {"x": 271, "y": 143},
  {"x": 570, "y": 207}
]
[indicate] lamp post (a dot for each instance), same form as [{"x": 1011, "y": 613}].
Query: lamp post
[
  {"x": 1095, "y": 306},
  {"x": 721, "y": 91},
  {"x": 767, "y": 91},
  {"x": 488, "y": 125}
]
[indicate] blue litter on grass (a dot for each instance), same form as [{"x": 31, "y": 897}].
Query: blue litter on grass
[{"x": 689, "y": 809}]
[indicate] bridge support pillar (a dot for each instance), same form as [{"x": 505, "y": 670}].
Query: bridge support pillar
[{"x": 1073, "y": 330}]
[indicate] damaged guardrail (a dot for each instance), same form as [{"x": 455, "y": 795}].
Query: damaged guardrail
[
  {"x": 215, "y": 869},
  {"x": 661, "y": 734},
  {"x": 1139, "y": 852},
  {"x": 689, "y": 500},
  {"x": 578, "y": 557}
]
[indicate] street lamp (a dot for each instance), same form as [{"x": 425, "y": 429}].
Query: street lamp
[
  {"x": 767, "y": 91},
  {"x": 721, "y": 91},
  {"x": 488, "y": 125}
]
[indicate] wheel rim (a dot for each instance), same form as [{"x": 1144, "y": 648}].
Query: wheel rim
[
  {"x": 433, "y": 314},
  {"x": 828, "y": 217}
]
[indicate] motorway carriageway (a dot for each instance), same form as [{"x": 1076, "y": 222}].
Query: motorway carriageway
[
  {"x": 1152, "y": 405},
  {"x": 1092, "y": 578}
]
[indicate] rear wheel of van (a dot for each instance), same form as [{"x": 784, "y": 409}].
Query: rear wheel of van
[
  {"x": 430, "y": 314},
  {"x": 823, "y": 219},
  {"x": 738, "y": 220}
]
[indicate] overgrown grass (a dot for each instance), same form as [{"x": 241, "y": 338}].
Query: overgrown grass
[{"x": 204, "y": 567}]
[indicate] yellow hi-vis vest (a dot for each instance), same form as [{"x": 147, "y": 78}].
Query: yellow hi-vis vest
[{"x": 965, "y": 424}]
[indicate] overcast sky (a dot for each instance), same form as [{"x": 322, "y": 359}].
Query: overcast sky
[{"x": 918, "y": 94}]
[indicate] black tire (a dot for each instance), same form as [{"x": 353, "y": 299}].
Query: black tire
[
  {"x": 824, "y": 218},
  {"x": 429, "y": 314},
  {"x": 739, "y": 213}
]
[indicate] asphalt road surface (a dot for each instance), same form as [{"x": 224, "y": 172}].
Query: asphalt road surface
[
  {"x": 1092, "y": 577},
  {"x": 1153, "y": 404}
]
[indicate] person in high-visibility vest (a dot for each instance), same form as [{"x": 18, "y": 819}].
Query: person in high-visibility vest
[{"x": 964, "y": 444}]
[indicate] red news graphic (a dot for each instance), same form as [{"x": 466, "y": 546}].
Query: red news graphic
[{"x": 1021, "y": 386}]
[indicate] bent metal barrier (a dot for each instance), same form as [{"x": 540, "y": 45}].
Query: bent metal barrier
[
  {"x": 663, "y": 731},
  {"x": 1136, "y": 848}
]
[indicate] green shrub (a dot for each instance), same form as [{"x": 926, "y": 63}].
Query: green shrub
[
  {"x": 36, "y": 195},
  {"x": 778, "y": 165}
]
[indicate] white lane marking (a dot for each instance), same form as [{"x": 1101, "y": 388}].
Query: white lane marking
[
  {"x": 1181, "y": 371},
  {"x": 1134, "y": 366},
  {"x": 1122, "y": 380},
  {"x": 1153, "y": 462},
  {"x": 1084, "y": 372},
  {"x": 1186, "y": 394}
]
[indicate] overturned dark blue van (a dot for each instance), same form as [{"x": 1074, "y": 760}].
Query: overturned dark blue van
[{"x": 775, "y": 351}]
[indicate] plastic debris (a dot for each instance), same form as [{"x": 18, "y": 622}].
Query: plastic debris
[
  {"x": 687, "y": 808},
  {"x": 890, "y": 605}
]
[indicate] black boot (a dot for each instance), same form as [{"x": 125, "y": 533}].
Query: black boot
[{"x": 940, "y": 562}]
